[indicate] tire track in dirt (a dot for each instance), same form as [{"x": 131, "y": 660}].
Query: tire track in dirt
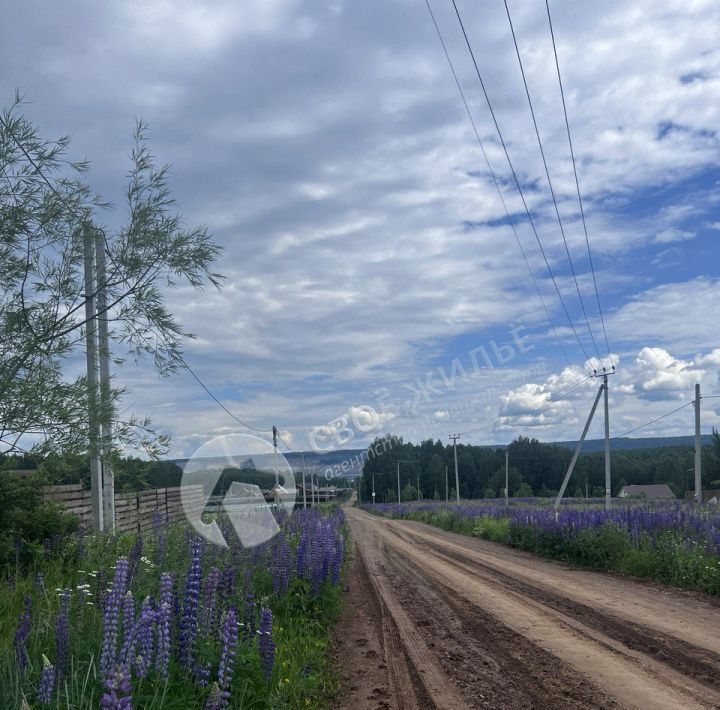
[
  {"x": 474, "y": 636},
  {"x": 698, "y": 663}
]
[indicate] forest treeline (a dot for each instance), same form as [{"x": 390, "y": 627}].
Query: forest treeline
[
  {"x": 135, "y": 474},
  {"x": 535, "y": 469}
]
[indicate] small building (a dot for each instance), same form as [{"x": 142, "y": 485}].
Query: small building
[{"x": 656, "y": 491}]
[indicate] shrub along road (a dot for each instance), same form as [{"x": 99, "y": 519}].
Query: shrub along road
[{"x": 438, "y": 620}]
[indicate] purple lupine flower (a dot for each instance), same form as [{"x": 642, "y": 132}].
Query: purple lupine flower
[
  {"x": 338, "y": 559},
  {"x": 266, "y": 645},
  {"x": 301, "y": 554},
  {"x": 111, "y": 615},
  {"x": 119, "y": 695},
  {"x": 40, "y": 581},
  {"x": 280, "y": 566},
  {"x": 128, "y": 619},
  {"x": 62, "y": 635},
  {"x": 227, "y": 580},
  {"x": 163, "y": 624},
  {"x": 226, "y": 668},
  {"x": 46, "y": 686},
  {"x": 145, "y": 635},
  {"x": 188, "y": 621},
  {"x": 135, "y": 554},
  {"x": 214, "y": 700},
  {"x": 21, "y": 633},
  {"x": 201, "y": 673},
  {"x": 210, "y": 589}
]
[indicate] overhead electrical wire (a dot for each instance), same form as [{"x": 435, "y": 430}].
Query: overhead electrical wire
[
  {"x": 217, "y": 401},
  {"x": 495, "y": 180},
  {"x": 517, "y": 181},
  {"x": 549, "y": 179},
  {"x": 652, "y": 421},
  {"x": 555, "y": 397},
  {"x": 577, "y": 182}
]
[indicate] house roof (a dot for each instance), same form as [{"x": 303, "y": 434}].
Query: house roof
[{"x": 656, "y": 490}]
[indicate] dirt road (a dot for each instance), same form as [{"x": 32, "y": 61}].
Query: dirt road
[{"x": 443, "y": 621}]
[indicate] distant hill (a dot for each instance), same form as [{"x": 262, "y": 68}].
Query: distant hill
[
  {"x": 320, "y": 462},
  {"x": 650, "y": 442}
]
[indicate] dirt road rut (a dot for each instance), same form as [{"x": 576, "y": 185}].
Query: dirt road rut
[{"x": 438, "y": 620}]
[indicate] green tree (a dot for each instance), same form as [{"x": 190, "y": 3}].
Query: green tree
[{"x": 48, "y": 212}]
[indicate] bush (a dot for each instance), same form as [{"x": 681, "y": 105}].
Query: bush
[{"x": 25, "y": 521}]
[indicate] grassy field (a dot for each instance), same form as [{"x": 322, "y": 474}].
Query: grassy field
[
  {"x": 167, "y": 620},
  {"x": 674, "y": 543}
]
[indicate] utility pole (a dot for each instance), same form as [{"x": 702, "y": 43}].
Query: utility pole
[
  {"x": 107, "y": 476},
  {"x": 302, "y": 458},
  {"x": 454, "y": 438},
  {"x": 418, "y": 486},
  {"x": 507, "y": 477},
  {"x": 373, "y": 487},
  {"x": 698, "y": 448},
  {"x": 578, "y": 447},
  {"x": 608, "y": 488},
  {"x": 96, "y": 489},
  {"x": 398, "y": 477},
  {"x": 275, "y": 463},
  {"x": 447, "y": 490}
]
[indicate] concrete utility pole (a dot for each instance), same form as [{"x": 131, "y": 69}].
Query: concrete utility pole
[
  {"x": 698, "y": 447},
  {"x": 398, "y": 477},
  {"x": 454, "y": 438},
  {"x": 447, "y": 490},
  {"x": 507, "y": 477},
  {"x": 275, "y": 463},
  {"x": 302, "y": 458},
  {"x": 96, "y": 489},
  {"x": 373, "y": 488},
  {"x": 108, "y": 478},
  {"x": 608, "y": 488},
  {"x": 578, "y": 446}
]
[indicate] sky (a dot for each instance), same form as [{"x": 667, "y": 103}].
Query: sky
[{"x": 373, "y": 283}]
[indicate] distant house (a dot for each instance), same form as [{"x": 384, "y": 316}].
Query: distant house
[{"x": 656, "y": 491}]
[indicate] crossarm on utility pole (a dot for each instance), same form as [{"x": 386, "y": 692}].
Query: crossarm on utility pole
[{"x": 574, "y": 459}]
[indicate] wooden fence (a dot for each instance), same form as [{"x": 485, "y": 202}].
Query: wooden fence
[{"x": 133, "y": 511}]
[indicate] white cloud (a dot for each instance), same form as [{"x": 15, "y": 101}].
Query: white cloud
[
  {"x": 661, "y": 375},
  {"x": 325, "y": 146},
  {"x": 671, "y": 234}
]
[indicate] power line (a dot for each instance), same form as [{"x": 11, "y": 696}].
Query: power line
[
  {"x": 495, "y": 181},
  {"x": 577, "y": 182},
  {"x": 213, "y": 397},
  {"x": 550, "y": 185},
  {"x": 517, "y": 181},
  {"x": 652, "y": 421},
  {"x": 555, "y": 397}
]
